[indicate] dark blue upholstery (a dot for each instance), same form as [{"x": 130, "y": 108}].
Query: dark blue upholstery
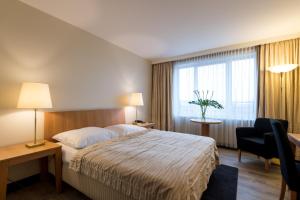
[
  {"x": 259, "y": 139},
  {"x": 290, "y": 169}
]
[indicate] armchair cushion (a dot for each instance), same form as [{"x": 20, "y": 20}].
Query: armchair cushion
[
  {"x": 254, "y": 140},
  {"x": 252, "y": 144},
  {"x": 246, "y": 132}
]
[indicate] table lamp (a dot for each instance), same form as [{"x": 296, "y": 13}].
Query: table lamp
[
  {"x": 136, "y": 99},
  {"x": 34, "y": 96}
]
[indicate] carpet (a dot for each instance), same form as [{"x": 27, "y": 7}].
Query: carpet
[{"x": 222, "y": 184}]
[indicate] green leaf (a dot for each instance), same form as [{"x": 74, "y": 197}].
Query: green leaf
[{"x": 204, "y": 102}]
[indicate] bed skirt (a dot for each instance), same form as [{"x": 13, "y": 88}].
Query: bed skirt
[{"x": 88, "y": 186}]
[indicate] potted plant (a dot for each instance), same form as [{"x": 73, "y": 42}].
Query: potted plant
[{"x": 204, "y": 102}]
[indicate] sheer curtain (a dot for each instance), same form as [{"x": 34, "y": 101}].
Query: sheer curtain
[{"x": 232, "y": 77}]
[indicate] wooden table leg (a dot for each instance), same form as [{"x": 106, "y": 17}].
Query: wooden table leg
[
  {"x": 205, "y": 130},
  {"x": 283, "y": 187},
  {"x": 58, "y": 170},
  {"x": 3, "y": 179},
  {"x": 293, "y": 195},
  {"x": 239, "y": 155},
  {"x": 44, "y": 168},
  {"x": 267, "y": 165}
]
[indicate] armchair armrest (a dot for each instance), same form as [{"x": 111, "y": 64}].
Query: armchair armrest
[{"x": 246, "y": 132}]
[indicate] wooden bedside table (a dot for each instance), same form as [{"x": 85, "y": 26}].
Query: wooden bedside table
[
  {"x": 146, "y": 125},
  {"x": 16, "y": 154}
]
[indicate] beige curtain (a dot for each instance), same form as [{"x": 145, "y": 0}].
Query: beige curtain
[
  {"x": 279, "y": 94},
  {"x": 162, "y": 78}
]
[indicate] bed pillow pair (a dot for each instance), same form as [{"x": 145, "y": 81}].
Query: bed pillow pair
[{"x": 83, "y": 137}]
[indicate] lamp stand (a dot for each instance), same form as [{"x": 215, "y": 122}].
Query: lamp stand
[
  {"x": 136, "y": 115},
  {"x": 35, "y": 143},
  {"x": 136, "y": 121},
  {"x": 281, "y": 95},
  {"x": 281, "y": 80}
]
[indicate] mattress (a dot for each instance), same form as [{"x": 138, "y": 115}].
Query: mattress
[{"x": 68, "y": 152}]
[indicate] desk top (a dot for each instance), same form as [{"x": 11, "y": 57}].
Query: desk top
[
  {"x": 294, "y": 138},
  {"x": 207, "y": 121}
]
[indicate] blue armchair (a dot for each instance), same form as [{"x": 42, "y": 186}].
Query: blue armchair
[{"x": 259, "y": 139}]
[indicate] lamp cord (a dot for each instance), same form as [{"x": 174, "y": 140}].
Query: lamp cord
[{"x": 136, "y": 114}]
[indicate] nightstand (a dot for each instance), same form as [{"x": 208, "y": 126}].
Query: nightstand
[
  {"x": 146, "y": 125},
  {"x": 16, "y": 154}
]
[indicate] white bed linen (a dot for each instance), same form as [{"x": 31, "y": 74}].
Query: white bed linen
[{"x": 68, "y": 152}]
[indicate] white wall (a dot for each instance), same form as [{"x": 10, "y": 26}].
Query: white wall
[{"x": 83, "y": 71}]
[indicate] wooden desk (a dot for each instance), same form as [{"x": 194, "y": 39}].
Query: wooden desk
[
  {"x": 205, "y": 123},
  {"x": 16, "y": 154},
  {"x": 294, "y": 139}
]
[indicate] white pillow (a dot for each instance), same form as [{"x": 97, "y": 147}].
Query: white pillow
[
  {"x": 83, "y": 137},
  {"x": 125, "y": 129}
]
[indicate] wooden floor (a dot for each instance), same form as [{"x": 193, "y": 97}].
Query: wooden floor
[{"x": 253, "y": 183}]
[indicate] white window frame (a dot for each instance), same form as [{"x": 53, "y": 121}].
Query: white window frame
[{"x": 227, "y": 60}]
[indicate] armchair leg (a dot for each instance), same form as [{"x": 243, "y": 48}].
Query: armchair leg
[
  {"x": 267, "y": 165},
  {"x": 239, "y": 155},
  {"x": 293, "y": 195},
  {"x": 283, "y": 187}
]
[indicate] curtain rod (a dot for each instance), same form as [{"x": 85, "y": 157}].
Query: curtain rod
[{"x": 227, "y": 48}]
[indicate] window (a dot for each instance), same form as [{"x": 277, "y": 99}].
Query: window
[{"x": 231, "y": 78}]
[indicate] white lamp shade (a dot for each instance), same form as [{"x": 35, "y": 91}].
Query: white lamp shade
[
  {"x": 136, "y": 99},
  {"x": 282, "y": 68},
  {"x": 34, "y": 95}
]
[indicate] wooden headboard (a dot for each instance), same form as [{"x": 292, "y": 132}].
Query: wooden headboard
[{"x": 56, "y": 122}]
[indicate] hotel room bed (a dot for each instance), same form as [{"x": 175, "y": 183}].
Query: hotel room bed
[{"x": 149, "y": 164}]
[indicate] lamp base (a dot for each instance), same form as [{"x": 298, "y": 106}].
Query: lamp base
[
  {"x": 37, "y": 144},
  {"x": 137, "y": 121}
]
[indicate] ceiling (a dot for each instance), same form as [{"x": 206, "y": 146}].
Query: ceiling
[{"x": 159, "y": 29}]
